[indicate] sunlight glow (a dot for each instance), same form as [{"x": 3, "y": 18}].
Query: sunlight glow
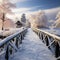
[{"x": 1, "y": 1}]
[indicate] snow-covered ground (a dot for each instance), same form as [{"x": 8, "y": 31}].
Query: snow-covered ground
[{"x": 32, "y": 48}]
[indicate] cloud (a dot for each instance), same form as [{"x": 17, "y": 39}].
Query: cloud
[
  {"x": 15, "y": 1},
  {"x": 20, "y": 10},
  {"x": 51, "y": 13},
  {"x": 24, "y": 9},
  {"x": 53, "y": 10}
]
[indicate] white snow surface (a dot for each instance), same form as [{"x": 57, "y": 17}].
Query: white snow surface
[{"x": 32, "y": 48}]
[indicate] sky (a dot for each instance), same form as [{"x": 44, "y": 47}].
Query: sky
[
  {"x": 51, "y": 7},
  {"x": 38, "y": 4}
]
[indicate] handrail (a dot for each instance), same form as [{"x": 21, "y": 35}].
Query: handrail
[
  {"x": 52, "y": 41},
  {"x": 11, "y": 43},
  {"x": 52, "y": 35},
  {"x": 10, "y": 37}
]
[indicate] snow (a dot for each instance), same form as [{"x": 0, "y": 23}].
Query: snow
[
  {"x": 11, "y": 36},
  {"x": 10, "y": 31},
  {"x": 32, "y": 48},
  {"x": 52, "y": 31}
]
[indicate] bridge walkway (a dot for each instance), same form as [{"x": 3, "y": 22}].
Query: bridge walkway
[{"x": 32, "y": 48}]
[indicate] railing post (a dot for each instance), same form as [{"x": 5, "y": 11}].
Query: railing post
[
  {"x": 56, "y": 49},
  {"x": 20, "y": 40},
  {"x": 7, "y": 53},
  {"x": 10, "y": 50},
  {"x": 39, "y": 35},
  {"x": 47, "y": 42},
  {"x": 17, "y": 42},
  {"x": 42, "y": 36},
  {"x": 21, "y": 37}
]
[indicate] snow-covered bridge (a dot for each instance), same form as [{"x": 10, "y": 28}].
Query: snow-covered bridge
[{"x": 32, "y": 47}]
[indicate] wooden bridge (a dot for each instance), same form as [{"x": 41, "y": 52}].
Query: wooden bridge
[
  {"x": 50, "y": 40},
  {"x": 26, "y": 44}
]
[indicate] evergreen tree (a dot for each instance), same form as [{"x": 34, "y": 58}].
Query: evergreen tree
[{"x": 23, "y": 18}]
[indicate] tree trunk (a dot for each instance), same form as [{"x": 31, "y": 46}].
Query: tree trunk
[{"x": 3, "y": 21}]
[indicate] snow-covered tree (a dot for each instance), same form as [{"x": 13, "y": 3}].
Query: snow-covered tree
[
  {"x": 58, "y": 15},
  {"x": 5, "y": 7},
  {"x": 28, "y": 24},
  {"x": 57, "y": 22},
  {"x": 39, "y": 20},
  {"x": 23, "y": 19}
]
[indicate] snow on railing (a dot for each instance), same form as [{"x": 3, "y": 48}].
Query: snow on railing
[
  {"x": 10, "y": 44},
  {"x": 52, "y": 41}
]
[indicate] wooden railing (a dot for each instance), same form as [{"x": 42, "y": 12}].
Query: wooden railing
[
  {"x": 10, "y": 44},
  {"x": 50, "y": 40}
]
